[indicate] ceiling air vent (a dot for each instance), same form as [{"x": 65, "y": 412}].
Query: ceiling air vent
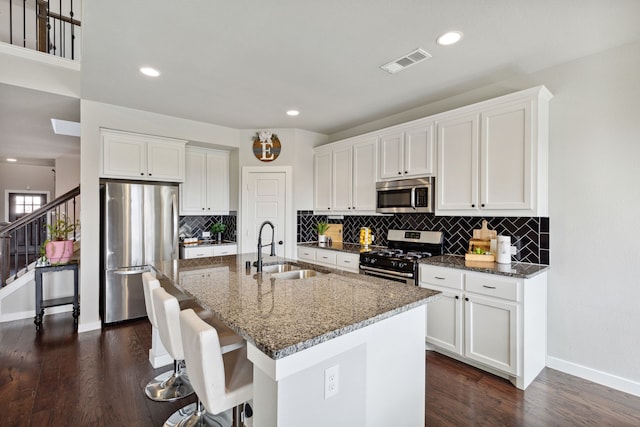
[{"x": 405, "y": 61}]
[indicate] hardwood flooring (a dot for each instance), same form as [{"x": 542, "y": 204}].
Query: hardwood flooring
[{"x": 96, "y": 378}]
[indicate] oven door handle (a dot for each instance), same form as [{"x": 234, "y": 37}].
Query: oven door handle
[
  {"x": 413, "y": 198},
  {"x": 390, "y": 273}
]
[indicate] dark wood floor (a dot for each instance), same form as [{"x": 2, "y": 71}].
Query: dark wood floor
[{"x": 96, "y": 378}]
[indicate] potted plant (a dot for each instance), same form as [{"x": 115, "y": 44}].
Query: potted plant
[
  {"x": 217, "y": 229},
  {"x": 322, "y": 228},
  {"x": 58, "y": 248}
]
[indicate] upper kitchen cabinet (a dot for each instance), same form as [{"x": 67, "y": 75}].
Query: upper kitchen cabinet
[
  {"x": 205, "y": 190},
  {"x": 492, "y": 157},
  {"x": 345, "y": 176},
  {"x": 144, "y": 157},
  {"x": 407, "y": 151}
]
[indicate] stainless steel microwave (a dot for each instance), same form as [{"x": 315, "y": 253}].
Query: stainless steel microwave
[{"x": 405, "y": 196}]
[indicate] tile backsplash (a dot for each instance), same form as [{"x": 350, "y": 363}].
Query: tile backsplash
[
  {"x": 193, "y": 226},
  {"x": 530, "y": 235}
]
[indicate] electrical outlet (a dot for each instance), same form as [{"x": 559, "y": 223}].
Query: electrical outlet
[
  {"x": 331, "y": 381},
  {"x": 206, "y": 234}
]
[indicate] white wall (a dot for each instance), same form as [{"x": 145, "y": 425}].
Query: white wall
[
  {"x": 19, "y": 177},
  {"x": 594, "y": 280},
  {"x": 67, "y": 174}
]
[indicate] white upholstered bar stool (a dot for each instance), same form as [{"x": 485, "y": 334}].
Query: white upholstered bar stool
[
  {"x": 164, "y": 387},
  {"x": 167, "y": 309},
  {"x": 222, "y": 381}
]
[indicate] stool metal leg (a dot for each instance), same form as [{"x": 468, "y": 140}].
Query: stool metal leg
[
  {"x": 195, "y": 415},
  {"x": 170, "y": 386}
]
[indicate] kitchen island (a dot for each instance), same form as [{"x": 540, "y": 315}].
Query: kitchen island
[{"x": 366, "y": 333}]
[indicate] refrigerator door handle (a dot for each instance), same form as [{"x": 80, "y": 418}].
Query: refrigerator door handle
[{"x": 174, "y": 208}]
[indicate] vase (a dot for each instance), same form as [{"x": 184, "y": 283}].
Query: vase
[
  {"x": 59, "y": 251},
  {"x": 219, "y": 237}
]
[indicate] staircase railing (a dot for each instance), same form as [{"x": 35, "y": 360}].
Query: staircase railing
[
  {"x": 21, "y": 240},
  {"x": 44, "y": 25}
]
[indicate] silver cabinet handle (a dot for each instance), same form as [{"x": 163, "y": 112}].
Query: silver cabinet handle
[
  {"x": 488, "y": 287},
  {"x": 439, "y": 278}
]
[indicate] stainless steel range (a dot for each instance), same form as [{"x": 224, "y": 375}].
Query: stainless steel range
[{"x": 399, "y": 261}]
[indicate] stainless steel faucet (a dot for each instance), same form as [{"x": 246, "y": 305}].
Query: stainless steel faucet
[{"x": 260, "y": 245}]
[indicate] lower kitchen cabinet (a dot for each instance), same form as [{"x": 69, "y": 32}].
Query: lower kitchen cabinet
[
  {"x": 330, "y": 258},
  {"x": 203, "y": 251},
  {"x": 494, "y": 322}
]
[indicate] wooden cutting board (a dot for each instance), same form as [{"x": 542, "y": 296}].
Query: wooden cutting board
[
  {"x": 484, "y": 233},
  {"x": 334, "y": 232}
]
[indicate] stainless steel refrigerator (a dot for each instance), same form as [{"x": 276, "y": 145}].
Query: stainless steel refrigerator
[{"x": 139, "y": 226}]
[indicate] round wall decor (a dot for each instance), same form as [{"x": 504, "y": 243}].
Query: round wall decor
[{"x": 266, "y": 146}]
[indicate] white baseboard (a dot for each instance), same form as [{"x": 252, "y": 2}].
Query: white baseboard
[
  {"x": 19, "y": 315},
  {"x": 90, "y": 326},
  {"x": 159, "y": 361},
  {"x": 590, "y": 374}
]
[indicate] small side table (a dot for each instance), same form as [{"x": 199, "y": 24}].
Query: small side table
[{"x": 42, "y": 304}]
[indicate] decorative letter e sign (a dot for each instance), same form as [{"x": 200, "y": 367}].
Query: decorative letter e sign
[{"x": 266, "y": 146}]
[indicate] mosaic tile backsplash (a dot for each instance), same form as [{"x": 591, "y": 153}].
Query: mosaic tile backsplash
[
  {"x": 193, "y": 226},
  {"x": 529, "y": 235}
]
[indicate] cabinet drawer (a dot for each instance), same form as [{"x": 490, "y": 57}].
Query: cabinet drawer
[
  {"x": 197, "y": 252},
  {"x": 306, "y": 253},
  {"x": 492, "y": 286},
  {"x": 326, "y": 257},
  {"x": 225, "y": 250},
  {"x": 439, "y": 276},
  {"x": 347, "y": 261}
]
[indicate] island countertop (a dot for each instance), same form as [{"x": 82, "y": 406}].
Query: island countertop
[{"x": 281, "y": 317}]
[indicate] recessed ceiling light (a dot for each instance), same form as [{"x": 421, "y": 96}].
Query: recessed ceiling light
[
  {"x": 452, "y": 37},
  {"x": 293, "y": 113},
  {"x": 10, "y": 159},
  {"x": 148, "y": 71}
]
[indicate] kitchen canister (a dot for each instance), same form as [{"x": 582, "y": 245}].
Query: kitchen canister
[
  {"x": 503, "y": 253},
  {"x": 366, "y": 236}
]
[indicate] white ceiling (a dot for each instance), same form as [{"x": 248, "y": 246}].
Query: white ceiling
[{"x": 243, "y": 63}]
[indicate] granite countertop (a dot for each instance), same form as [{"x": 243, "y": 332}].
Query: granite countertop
[
  {"x": 281, "y": 317},
  {"x": 521, "y": 270},
  {"x": 353, "y": 248}
]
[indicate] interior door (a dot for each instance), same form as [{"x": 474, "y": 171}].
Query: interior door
[{"x": 266, "y": 201}]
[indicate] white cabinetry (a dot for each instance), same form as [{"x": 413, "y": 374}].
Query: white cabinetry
[
  {"x": 492, "y": 157},
  {"x": 203, "y": 251},
  {"x": 206, "y": 185},
  {"x": 329, "y": 258},
  {"x": 407, "y": 151},
  {"x": 497, "y": 323},
  {"x": 145, "y": 157},
  {"x": 345, "y": 176}
]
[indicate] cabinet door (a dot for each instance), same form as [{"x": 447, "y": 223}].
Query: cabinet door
[
  {"x": 341, "y": 187},
  {"x": 444, "y": 321},
  {"x": 457, "y": 181},
  {"x": 491, "y": 332},
  {"x": 197, "y": 252},
  {"x": 418, "y": 150},
  {"x": 165, "y": 161},
  {"x": 391, "y": 155},
  {"x": 326, "y": 257},
  {"x": 193, "y": 190},
  {"x": 217, "y": 194},
  {"x": 123, "y": 156},
  {"x": 322, "y": 180},
  {"x": 365, "y": 159},
  {"x": 506, "y": 157}
]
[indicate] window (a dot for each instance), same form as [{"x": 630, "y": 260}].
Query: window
[{"x": 26, "y": 204}]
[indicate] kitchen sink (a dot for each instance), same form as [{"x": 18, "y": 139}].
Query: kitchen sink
[
  {"x": 296, "y": 274},
  {"x": 279, "y": 268}
]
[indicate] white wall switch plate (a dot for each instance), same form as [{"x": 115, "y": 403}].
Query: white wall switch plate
[{"x": 206, "y": 234}]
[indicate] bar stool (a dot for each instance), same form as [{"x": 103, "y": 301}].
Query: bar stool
[
  {"x": 177, "y": 386},
  {"x": 164, "y": 387},
  {"x": 221, "y": 381}
]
